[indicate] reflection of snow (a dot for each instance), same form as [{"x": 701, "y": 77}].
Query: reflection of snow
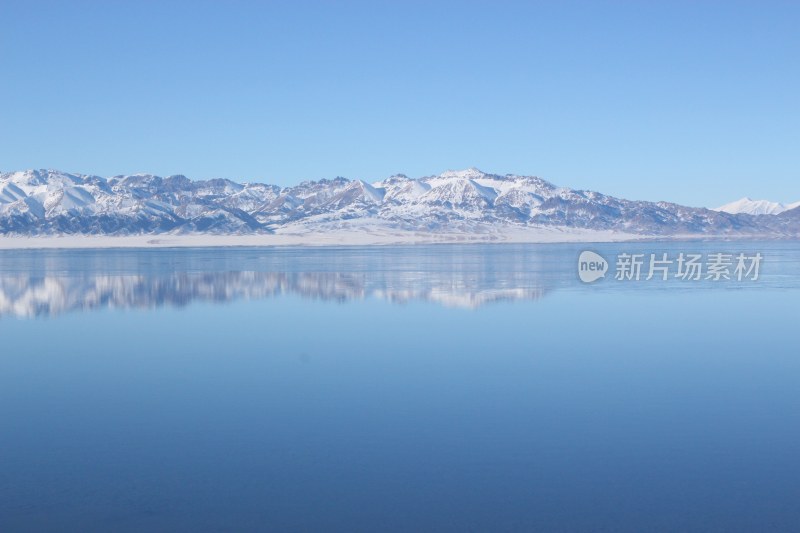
[{"x": 25, "y": 295}]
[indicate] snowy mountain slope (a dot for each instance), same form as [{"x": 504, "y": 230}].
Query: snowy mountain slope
[
  {"x": 793, "y": 213},
  {"x": 756, "y": 207},
  {"x": 50, "y": 202}
]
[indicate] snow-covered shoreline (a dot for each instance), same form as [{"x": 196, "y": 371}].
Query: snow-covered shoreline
[
  {"x": 333, "y": 238},
  {"x": 345, "y": 238}
]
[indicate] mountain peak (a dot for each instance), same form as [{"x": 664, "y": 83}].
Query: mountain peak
[
  {"x": 749, "y": 206},
  {"x": 469, "y": 173}
]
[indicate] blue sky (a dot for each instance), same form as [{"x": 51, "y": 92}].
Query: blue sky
[{"x": 693, "y": 102}]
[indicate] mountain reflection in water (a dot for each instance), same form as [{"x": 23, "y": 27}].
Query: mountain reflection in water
[
  {"x": 30, "y": 296},
  {"x": 37, "y": 283},
  {"x": 53, "y": 282}
]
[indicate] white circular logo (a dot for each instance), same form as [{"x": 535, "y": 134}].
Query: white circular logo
[{"x": 591, "y": 267}]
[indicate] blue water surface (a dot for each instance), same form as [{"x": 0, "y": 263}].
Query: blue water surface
[{"x": 430, "y": 388}]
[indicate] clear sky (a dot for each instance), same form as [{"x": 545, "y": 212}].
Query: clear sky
[{"x": 693, "y": 102}]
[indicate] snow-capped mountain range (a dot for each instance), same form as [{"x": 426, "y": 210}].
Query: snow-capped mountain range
[
  {"x": 50, "y": 202},
  {"x": 756, "y": 207}
]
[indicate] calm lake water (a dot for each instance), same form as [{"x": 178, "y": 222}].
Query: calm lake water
[{"x": 430, "y": 388}]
